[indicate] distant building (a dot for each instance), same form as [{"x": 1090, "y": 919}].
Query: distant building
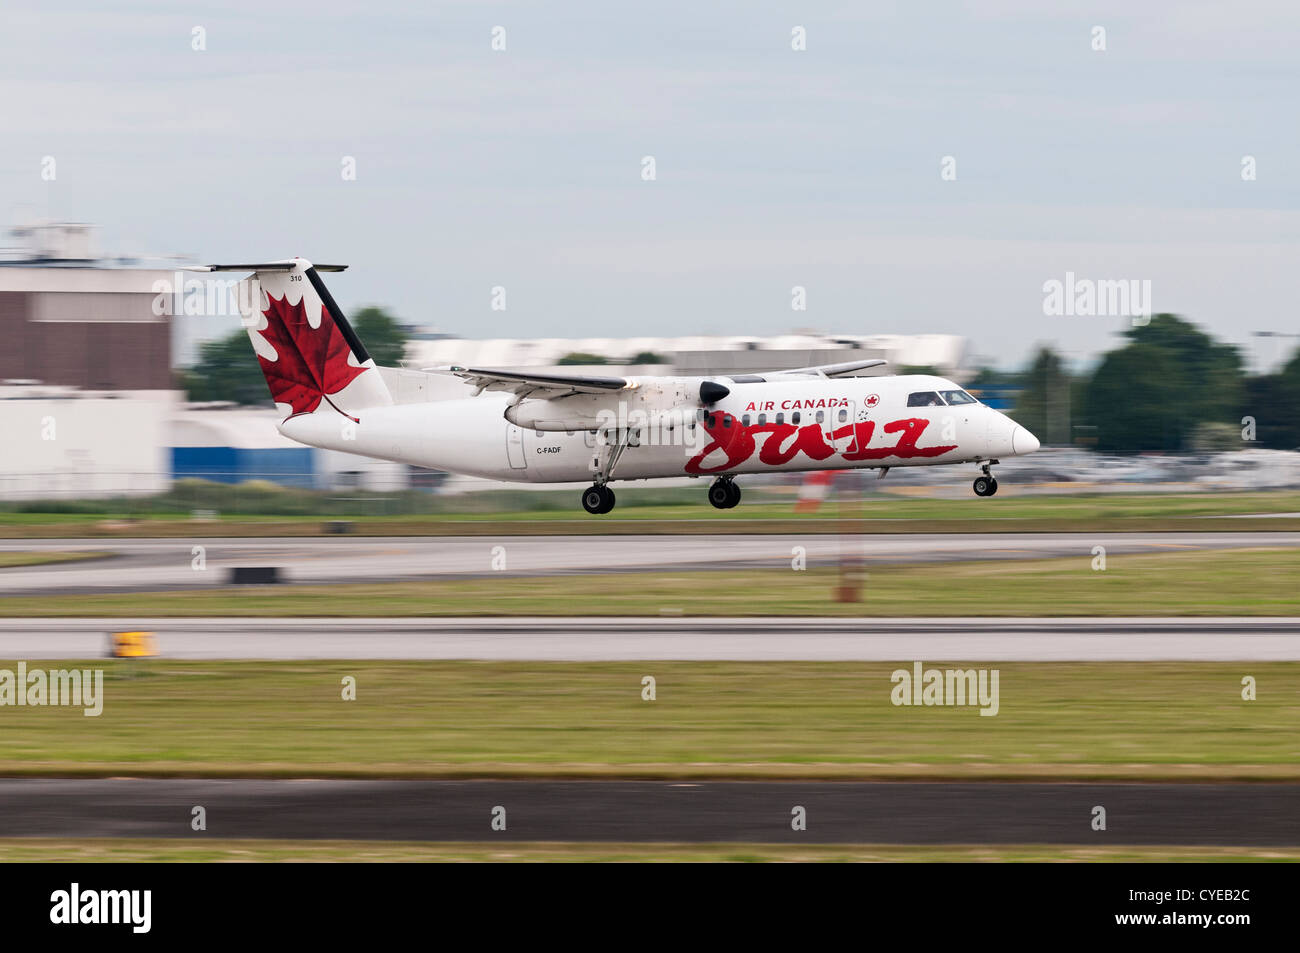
[{"x": 69, "y": 320}]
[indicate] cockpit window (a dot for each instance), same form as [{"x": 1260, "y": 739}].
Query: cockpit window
[
  {"x": 957, "y": 397},
  {"x": 924, "y": 398}
]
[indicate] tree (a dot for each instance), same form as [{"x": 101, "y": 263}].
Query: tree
[
  {"x": 227, "y": 369},
  {"x": 1178, "y": 378},
  {"x": 992, "y": 378},
  {"x": 381, "y": 335},
  {"x": 1212, "y": 373},
  {"x": 1215, "y": 437},
  {"x": 578, "y": 357},
  {"x": 1044, "y": 405},
  {"x": 647, "y": 357},
  {"x": 1133, "y": 401},
  {"x": 1273, "y": 400}
]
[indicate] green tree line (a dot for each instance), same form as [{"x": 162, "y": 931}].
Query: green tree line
[{"x": 1170, "y": 387}]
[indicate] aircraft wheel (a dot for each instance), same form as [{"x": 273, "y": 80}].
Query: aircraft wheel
[
  {"x": 720, "y": 494},
  {"x": 735, "y": 495},
  {"x": 984, "y": 486},
  {"x": 993, "y": 487},
  {"x": 609, "y": 499},
  {"x": 593, "y": 500}
]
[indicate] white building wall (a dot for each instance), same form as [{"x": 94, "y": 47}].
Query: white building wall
[{"x": 83, "y": 446}]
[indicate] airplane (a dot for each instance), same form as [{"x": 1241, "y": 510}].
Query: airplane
[{"x": 525, "y": 426}]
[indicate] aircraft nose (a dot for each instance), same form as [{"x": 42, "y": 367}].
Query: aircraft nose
[{"x": 1022, "y": 441}]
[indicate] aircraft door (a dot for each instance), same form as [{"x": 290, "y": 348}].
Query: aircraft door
[
  {"x": 515, "y": 447},
  {"x": 838, "y": 428}
]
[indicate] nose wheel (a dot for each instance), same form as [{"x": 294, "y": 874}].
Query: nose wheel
[
  {"x": 724, "y": 494},
  {"x": 598, "y": 500},
  {"x": 985, "y": 485}
]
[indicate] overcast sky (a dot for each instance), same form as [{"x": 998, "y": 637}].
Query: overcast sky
[{"x": 821, "y": 168}]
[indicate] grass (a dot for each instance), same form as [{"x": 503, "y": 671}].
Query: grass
[
  {"x": 11, "y": 560},
  {"x": 1057, "y": 721},
  {"x": 1177, "y": 583},
  {"x": 200, "y": 849},
  {"x": 685, "y": 511}
]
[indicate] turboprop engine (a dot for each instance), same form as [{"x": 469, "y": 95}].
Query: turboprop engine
[{"x": 650, "y": 402}]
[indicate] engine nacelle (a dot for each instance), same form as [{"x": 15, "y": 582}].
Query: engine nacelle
[{"x": 651, "y": 399}]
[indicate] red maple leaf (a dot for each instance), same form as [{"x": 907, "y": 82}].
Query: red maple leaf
[{"x": 313, "y": 362}]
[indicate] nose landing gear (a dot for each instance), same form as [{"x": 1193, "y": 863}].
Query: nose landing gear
[
  {"x": 598, "y": 499},
  {"x": 724, "y": 494},
  {"x": 986, "y": 485}
]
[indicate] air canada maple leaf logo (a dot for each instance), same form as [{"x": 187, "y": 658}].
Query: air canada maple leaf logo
[{"x": 312, "y": 362}]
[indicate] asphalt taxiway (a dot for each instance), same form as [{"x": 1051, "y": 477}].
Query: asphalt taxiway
[
  {"x": 657, "y": 811},
  {"x": 639, "y": 638}
]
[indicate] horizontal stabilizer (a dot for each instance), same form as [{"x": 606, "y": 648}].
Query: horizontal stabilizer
[{"x": 265, "y": 266}]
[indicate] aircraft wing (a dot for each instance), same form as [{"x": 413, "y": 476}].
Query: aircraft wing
[
  {"x": 830, "y": 370},
  {"x": 533, "y": 384}
]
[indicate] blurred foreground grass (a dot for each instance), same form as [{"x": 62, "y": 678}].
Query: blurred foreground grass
[{"x": 1057, "y": 721}]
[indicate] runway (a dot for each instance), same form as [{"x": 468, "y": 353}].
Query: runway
[
  {"x": 658, "y": 811},
  {"x": 589, "y": 639},
  {"x": 156, "y": 564}
]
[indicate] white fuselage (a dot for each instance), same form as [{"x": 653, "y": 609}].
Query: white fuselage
[{"x": 799, "y": 423}]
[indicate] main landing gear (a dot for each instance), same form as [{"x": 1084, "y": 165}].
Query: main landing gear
[
  {"x": 598, "y": 499},
  {"x": 724, "y": 494},
  {"x": 986, "y": 485}
]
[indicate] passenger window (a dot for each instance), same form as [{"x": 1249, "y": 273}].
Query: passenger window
[
  {"x": 780, "y": 418},
  {"x": 954, "y": 397},
  {"x": 726, "y": 420},
  {"x": 745, "y": 420},
  {"x": 821, "y": 416},
  {"x": 844, "y": 415},
  {"x": 794, "y": 418},
  {"x": 762, "y": 419},
  {"x": 925, "y": 398}
]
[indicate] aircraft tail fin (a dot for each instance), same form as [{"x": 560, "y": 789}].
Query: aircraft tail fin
[{"x": 308, "y": 351}]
